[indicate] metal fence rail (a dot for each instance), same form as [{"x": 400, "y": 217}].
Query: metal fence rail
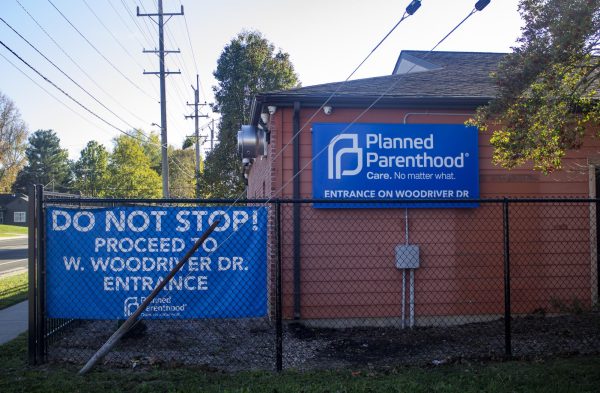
[{"x": 348, "y": 286}]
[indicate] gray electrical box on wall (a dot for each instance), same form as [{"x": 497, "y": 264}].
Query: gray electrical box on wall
[{"x": 407, "y": 256}]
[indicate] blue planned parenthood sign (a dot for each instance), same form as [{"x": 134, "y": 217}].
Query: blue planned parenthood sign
[
  {"x": 407, "y": 162},
  {"x": 102, "y": 263}
]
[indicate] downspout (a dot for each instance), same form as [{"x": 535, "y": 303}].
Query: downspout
[{"x": 296, "y": 211}]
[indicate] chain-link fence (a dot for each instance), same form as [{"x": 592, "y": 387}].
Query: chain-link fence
[{"x": 294, "y": 284}]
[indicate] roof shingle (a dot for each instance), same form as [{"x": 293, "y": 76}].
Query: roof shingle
[{"x": 461, "y": 74}]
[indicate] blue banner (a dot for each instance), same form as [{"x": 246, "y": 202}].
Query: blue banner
[
  {"x": 407, "y": 162},
  {"x": 102, "y": 263}
]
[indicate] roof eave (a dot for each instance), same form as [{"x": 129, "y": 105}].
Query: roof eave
[{"x": 430, "y": 102}]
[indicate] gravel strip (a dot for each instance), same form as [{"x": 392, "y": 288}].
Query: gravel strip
[{"x": 236, "y": 345}]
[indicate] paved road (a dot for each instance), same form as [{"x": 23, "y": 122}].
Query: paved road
[{"x": 13, "y": 254}]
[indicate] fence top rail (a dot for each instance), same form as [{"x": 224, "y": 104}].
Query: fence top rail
[{"x": 83, "y": 200}]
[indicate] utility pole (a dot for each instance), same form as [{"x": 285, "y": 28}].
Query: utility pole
[
  {"x": 196, "y": 116},
  {"x": 163, "y": 90}
]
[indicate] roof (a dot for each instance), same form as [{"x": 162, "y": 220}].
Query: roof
[
  {"x": 444, "y": 79},
  {"x": 5, "y": 199}
]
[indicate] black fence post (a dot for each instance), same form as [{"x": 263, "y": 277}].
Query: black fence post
[
  {"x": 41, "y": 276},
  {"x": 278, "y": 316},
  {"x": 31, "y": 266},
  {"x": 597, "y": 223},
  {"x": 507, "y": 310}
]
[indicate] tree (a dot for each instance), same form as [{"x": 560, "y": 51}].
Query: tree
[
  {"x": 130, "y": 174},
  {"x": 182, "y": 168},
  {"x": 152, "y": 149},
  {"x": 91, "y": 170},
  {"x": 13, "y": 133},
  {"x": 248, "y": 65},
  {"x": 47, "y": 163},
  {"x": 547, "y": 86}
]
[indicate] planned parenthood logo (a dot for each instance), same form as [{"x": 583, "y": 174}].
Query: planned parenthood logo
[
  {"x": 334, "y": 157},
  {"x": 394, "y": 161},
  {"x": 159, "y": 306},
  {"x": 130, "y": 305}
]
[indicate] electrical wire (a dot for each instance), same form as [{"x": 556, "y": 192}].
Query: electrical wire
[
  {"x": 100, "y": 53},
  {"x": 65, "y": 93},
  {"x": 145, "y": 23},
  {"x": 65, "y": 74},
  {"x": 125, "y": 24},
  {"x": 331, "y": 96},
  {"x": 72, "y": 98},
  {"x": 392, "y": 85},
  {"x": 115, "y": 38},
  {"x": 187, "y": 30},
  {"x": 52, "y": 95},
  {"x": 136, "y": 36},
  {"x": 177, "y": 91},
  {"x": 135, "y": 22},
  {"x": 89, "y": 110},
  {"x": 325, "y": 148},
  {"x": 405, "y": 16},
  {"x": 110, "y": 96}
]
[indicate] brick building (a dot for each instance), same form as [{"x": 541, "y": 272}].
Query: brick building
[{"x": 338, "y": 263}]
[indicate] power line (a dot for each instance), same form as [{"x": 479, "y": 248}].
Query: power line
[
  {"x": 100, "y": 53},
  {"x": 79, "y": 103},
  {"x": 65, "y": 74},
  {"x": 478, "y": 7},
  {"x": 65, "y": 93},
  {"x": 135, "y": 22},
  {"x": 177, "y": 90},
  {"x": 145, "y": 22},
  {"x": 353, "y": 121},
  {"x": 171, "y": 41},
  {"x": 413, "y": 6},
  {"x": 110, "y": 3},
  {"x": 52, "y": 95},
  {"x": 110, "y": 96},
  {"x": 187, "y": 30},
  {"x": 127, "y": 52},
  {"x": 143, "y": 33}
]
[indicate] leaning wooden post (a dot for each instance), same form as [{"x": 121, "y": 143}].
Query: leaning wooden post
[{"x": 112, "y": 341}]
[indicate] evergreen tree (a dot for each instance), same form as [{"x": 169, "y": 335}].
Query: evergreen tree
[
  {"x": 248, "y": 65},
  {"x": 47, "y": 164},
  {"x": 91, "y": 170}
]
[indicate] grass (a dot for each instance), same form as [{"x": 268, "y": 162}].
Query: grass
[
  {"x": 13, "y": 289},
  {"x": 12, "y": 230},
  {"x": 560, "y": 375}
]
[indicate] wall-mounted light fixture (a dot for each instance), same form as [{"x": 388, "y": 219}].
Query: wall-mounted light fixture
[
  {"x": 272, "y": 109},
  {"x": 327, "y": 109}
]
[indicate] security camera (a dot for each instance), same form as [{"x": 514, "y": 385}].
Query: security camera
[{"x": 327, "y": 110}]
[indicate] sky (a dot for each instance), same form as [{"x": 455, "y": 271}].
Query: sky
[{"x": 326, "y": 40}]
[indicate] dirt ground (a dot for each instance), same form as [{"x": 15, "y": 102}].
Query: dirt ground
[{"x": 235, "y": 345}]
